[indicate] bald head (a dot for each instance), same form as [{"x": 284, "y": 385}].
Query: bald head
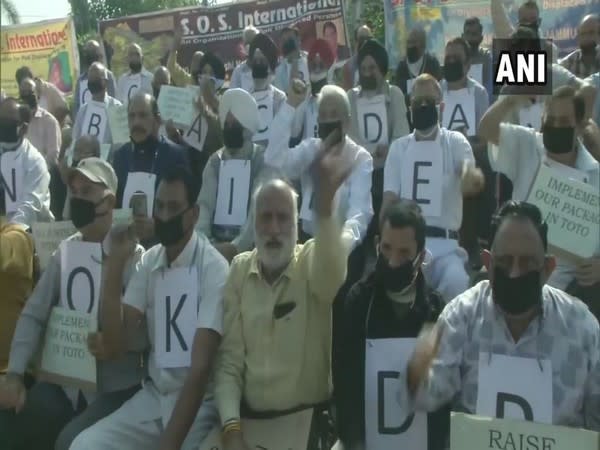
[
  {"x": 275, "y": 187},
  {"x": 92, "y": 52},
  {"x": 85, "y": 147},
  {"x": 249, "y": 34},
  {"x": 13, "y": 116},
  {"x": 362, "y": 34},
  {"x": 195, "y": 68},
  {"x": 161, "y": 77},
  {"x": 143, "y": 117},
  {"x": 135, "y": 57},
  {"x": 588, "y": 33}
]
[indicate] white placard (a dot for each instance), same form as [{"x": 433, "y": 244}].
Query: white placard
[
  {"x": 372, "y": 120},
  {"x": 531, "y": 116},
  {"x": 84, "y": 93},
  {"x": 140, "y": 182},
  {"x": 80, "y": 276},
  {"x": 476, "y": 72},
  {"x": 175, "y": 316},
  {"x": 176, "y": 104},
  {"x": 308, "y": 199},
  {"x": 509, "y": 387},
  {"x": 233, "y": 192},
  {"x": 119, "y": 123},
  {"x": 95, "y": 120},
  {"x": 422, "y": 176},
  {"x": 385, "y": 359},
  {"x": 195, "y": 136},
  {"x": 11, "y": 179},
  {"x": 48, "y": 236},
  {"x": 131, "y": 85},
  {"x": 311, "y": 123},
  {"x": 459, "y": 111},
  {"x": 264, "y": 100}
]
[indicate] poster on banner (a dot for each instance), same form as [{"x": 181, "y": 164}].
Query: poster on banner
[
  {"x": 288, "y": 432},
  {"x": 119, "y": 123},
  {"x": 175, "y": 103},
  {"x": 469, "y": 432},
  {"x": 372, "y": 120},
  {"x": 95, "y": 120},
  {"x": 459, "y": 111},
  {"x": 48, "y": 47},
  {"x": 219, "y": 28},
  {"x": 11, "y": 179},
  {"x": 233, "y": 192},
  {"x": 66, "y": 359},
  {"x": 48, "y": 236},
  {"x": 385, "y": 359},
  {"x": 571, "y": 209}
]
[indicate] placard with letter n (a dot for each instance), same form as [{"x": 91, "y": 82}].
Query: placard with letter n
[{"x": 11, "y": 179}]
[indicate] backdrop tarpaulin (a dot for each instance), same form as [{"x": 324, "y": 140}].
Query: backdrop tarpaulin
[
  {"x": 219, "y": 29},
  {"x": 444, "y": 19}
]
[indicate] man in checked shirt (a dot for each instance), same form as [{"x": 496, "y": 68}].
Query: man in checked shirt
[{"x": 511, "y": 347}]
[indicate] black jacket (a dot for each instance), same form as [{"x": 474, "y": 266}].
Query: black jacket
[{"x": 349, "y": 375}]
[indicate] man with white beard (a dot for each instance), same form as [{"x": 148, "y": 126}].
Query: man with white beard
[{"x": 275, "y": 357}]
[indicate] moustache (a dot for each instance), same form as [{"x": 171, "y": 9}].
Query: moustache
[{"x": 138, "y": 129}]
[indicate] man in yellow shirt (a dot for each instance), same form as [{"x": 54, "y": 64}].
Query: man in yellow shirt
[{"x": 275, "y": 357}]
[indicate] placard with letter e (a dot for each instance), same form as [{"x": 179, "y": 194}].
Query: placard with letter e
[
  {"x": 571, "y": 209},
  {"x": 385, "y": 359},
  {"x": 459, "y": 111},
  {"x": 233, "y": 192},
  {"x": 11, "y": 179},
  {"x": 289, "y": 432},
  {"x": 176, "y": 104},
  {"x": 422, "y": 175},
  {"x": 372, "y": 119},
  {"x": 95, "y": 120},
  {"x": 175, "y": 316},
  {"x": 469, "y": 432},
  {"x": 264, "y": 100}
]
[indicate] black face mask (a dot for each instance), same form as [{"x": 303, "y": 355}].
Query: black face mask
[
  {"x": 260, "y": 71},
  {"x": 424, "y": 116},
  {"x": 517, "y": 295},
  {"x": 368, "y": 83},
  {"x": 289, "y": 46},
  {"x": 30, "y": 100},
  {"x": 135, "y": 66},
  {"x": 316, "y": 86},
  {"x": 558, "y": 139},
  {"x": 412, "y": 54},
  {"x": 91, "y": 58},
  {"x": 169, "y": 232},
  {"x": 326, "y": 128},
  {"x": 8, "y": 131},
  {"x": 588, "y": 48},
  {"x": 394, "y": 279},
  {"x": 233, "y": 136},
  {"x": 95, "y": 86},
  {"x": 83, "y": 212},
  {"x": 535, "y": 26},
  {"x": 453, "y": 70}
]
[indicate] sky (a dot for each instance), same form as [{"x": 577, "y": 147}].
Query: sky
[{"x": 36, "y": 10}]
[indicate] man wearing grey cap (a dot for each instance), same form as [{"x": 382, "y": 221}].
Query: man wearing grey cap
[{"x": 49, "y": 408}]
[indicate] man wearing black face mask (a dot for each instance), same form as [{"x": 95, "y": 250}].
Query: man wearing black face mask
[
  {"x": 294, "y": 63},
  {"x": 138, "y": 79},
  {"x": 92, "y": 53},
  {"x": 519, "y": 152},
  {"x": 392, "y": 302},
  {"x": 43, "y": 131},
  {"x": 512, "y": 340},
  {"x": 585, "y": 61},
  {"x": 240, "y": 160},
  {"x": 139, "y": 164},
  {"x": 481, "y": 58}
]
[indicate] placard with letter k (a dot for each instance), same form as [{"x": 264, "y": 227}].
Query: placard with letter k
[{"x": 176, "y": 316}]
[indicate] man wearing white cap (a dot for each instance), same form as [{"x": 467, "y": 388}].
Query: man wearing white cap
[
  {"x": 46, "y": 407},
  {"x": 230, "y": 176}
]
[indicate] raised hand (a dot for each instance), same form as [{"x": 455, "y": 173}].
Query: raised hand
[
  {"x": 296, "y": 93},
  {"x": 426, "y": 350}
]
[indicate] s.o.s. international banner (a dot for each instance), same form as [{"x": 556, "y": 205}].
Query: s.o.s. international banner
[{"x": 49, "y": 48}]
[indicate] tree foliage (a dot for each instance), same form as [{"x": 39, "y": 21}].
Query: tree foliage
[{"x": 9, "y": 10}]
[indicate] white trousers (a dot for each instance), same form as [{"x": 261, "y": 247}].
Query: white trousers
[
  {"x": 445, "y": 271},
  {"x": 129, "y": 428}
]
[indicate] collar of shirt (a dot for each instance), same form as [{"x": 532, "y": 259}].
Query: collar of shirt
[
  {"x": 145, "y": 73},
  {"x": 244, "y": 153},
  {"x": 183, "y": 260},
  {"x": 385, "y": 90},
  {"x": 290, "y": 271}
]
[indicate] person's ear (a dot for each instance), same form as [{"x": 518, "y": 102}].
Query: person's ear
[
  {"x": 549, "y": 266},
  {"x": 111, "y": 201},
  {"x": 486, "y": 258}
]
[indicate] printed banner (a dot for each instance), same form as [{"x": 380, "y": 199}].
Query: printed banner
[
  {"x": 444, "y": 19},
  {"x": 49, "y": 48},
  {"x": 219, "y": 30}
]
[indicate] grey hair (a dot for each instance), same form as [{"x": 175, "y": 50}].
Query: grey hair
[
  {"x": 274, "y": 182},
  {"x": 337, "y": 94}
]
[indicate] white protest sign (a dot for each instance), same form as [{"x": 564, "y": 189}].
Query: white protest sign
[
  {"x": 264, "y": 100},
  {"x": 95, "y": 120},
  {"x": 422, "y": 176},
  {"x": 510, "y": 387},
  {"x": 571, "y": 209},
  {"x": 385, "y": 359},
  {"x": 531, "y": 116},
  {"x": 469, "y": 432},
  {"x": 140, "y": 182},
  {"x": 176, "y": 104},
  {"x": 66, "y": 359},
  {"x": 11, "y": 179},
  {"x": 48, "y": 236},
  {"x": 311, "y": 124},
  {"x": 119, "y": 123},
  {"x": 175, "y": 316},
  {"x": 195, "y": 135},
  {"x": 131, "y": 85},
  {"x": 308, "y": 201},
  {"x": 289, "y": 432},
  {"x": 84, "y": 92},
  {"x": 80, "y": 276},
  {"x": 476, "y": 72},
  {"x": 459, "y": 111},
  {"x": 372, "y": 120},
  {"x": 233, "y": 192}
]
